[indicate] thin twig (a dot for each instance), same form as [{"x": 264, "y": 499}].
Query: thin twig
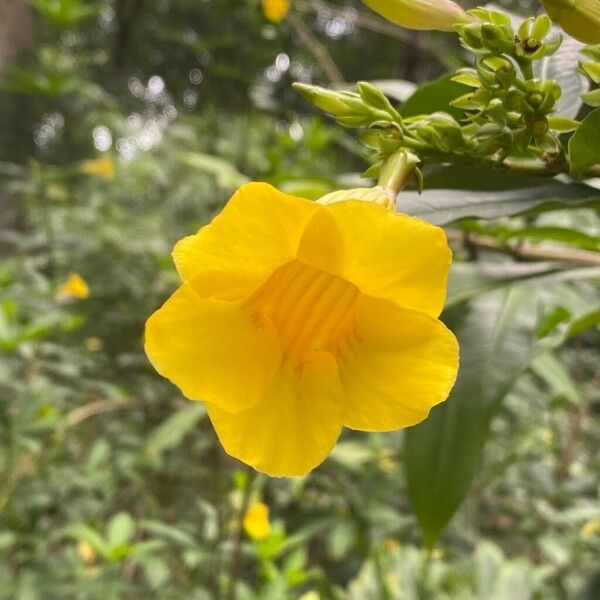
[
  {"x": 526, "y": 251},
  {"x": 523, "y": 166},
  {"x": 371, "y": 23},
  {"x": 236, "y": 553},
  {"x": 314, "y": 46},
  {"x": 575, "y": 430},
  {"x": 96, "y": 407}
]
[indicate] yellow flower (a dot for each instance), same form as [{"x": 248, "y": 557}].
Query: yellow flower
[
  {"x": 579, "y": 18},
  {"x": 94, "y": 344},
  {"x": 295, "y": 318},
  {"x": 99, "y": 167},
  {"x": 312, "y": 595},
  {"x": 590, "y": 528},
  {"x": 275, "y": 10},
  {"x": 86, "y": 552},
  {"x": 74, "y": 287},
  {"x": 256, "y": 521},
  {"x": 440, "y": 15}
]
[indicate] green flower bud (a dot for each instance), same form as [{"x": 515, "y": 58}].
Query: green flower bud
[
  {"x": 579, "y": 18},
  {"x": 498, "y": 38},
  {"x": 327, "y": 100},
  {"x": 535, "y": 99},
  {"x": 440, "y": 15},
  {"x": 539, "y": 127}
]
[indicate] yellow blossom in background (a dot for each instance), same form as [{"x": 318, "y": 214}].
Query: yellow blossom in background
[
  {"x": 86, "y": 552},
  {"x": 74, "y": 287},
  {"x": 276, "y": 10},
  {"x": 94, "y": 344},
  {"x": 99, "y": 167},
  {"x": 590, "y": 528},
  {"x": 312, "y": 595},
  {"x": 439, "y": 15},
  {"x": 256, "y": 521},
  {"x": 296, "y": 318}
]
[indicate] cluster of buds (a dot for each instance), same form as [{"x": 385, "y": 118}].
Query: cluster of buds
[
  {"x": 508, "y": 108},
  {"x": 591, "y": 68},
  {"x": 494, "y": 33}
]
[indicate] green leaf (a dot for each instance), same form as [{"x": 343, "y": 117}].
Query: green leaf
[
  {"x": 556, "y": 376},
  {"x": 434, "y": 97},
  {"x": 443, "y": 206},
  {"x": 558, "y": 234},
  {"x": 562, "y": 124},
  {"x": 225, "y": 173},
  {"x": 173, "y": 430},
  {"x": 120, "y": 530},
  {"x": 584, "y": 145},
  {"x": 341, "y": 538},
  {"x": 470, "y": 280},
  {"x": 443, "y": 453},
  {"x": 85, "y": 533},
  {"x": 584, "y": 323},
  {"x": 592, "y": 98}
]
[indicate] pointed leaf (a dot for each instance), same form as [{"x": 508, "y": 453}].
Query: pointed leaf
[{"x": 443, "y": 453}]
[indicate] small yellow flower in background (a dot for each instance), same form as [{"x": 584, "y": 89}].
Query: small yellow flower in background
[
  {"x": 590, "y": 528},
  {"x": 256, "y": 521},
  {"x": 579, "y": 18},
  {"x": 276, "y": 10},
  {"x": 87, "y": 553},
  {"x": 312, "y": 595},
  {"x": 391, "y": 545},
  {"x": 296, "y": 318},
  {"x": 440, "y": 15},
  {"x": 94, "y": 344},
  {"x": 74, "y": 287},
  {"x": 387, "y": 462},
  {"x": 99, "y": 167}
]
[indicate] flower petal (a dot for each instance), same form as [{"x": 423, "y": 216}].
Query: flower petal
[
  {"x": 385, "y": 254},
  {"x": 294, "y": 427},
  {"x": 212, "y": 350},
  {"x": 401, "y": 364},
  {"x": 258, "y": 230}
]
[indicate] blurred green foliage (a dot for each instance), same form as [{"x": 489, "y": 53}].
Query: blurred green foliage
[{"x": 114, "y": 486}]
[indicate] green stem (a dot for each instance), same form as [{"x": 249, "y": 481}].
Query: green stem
[
  {"x": 235, "y": 563},
  {"x": 526, "y": 66},
  {"x": 524, "y": 166},
  {"x": 397, "y": 170}
]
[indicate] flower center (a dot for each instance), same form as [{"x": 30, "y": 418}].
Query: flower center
[{"x": 311, "y": 309}]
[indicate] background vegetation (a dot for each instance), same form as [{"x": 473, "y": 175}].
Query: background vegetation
[{"x": 126, "y": 124}]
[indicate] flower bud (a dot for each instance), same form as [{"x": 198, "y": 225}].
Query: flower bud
[
  {"x": 579, "y": 18},
  {"x": 327, "y": 100},
  {"x": 440, "y": 15}
]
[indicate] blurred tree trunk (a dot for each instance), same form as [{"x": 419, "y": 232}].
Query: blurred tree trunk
[
  {"x": 16, "y": 34},
  {"x": 15, "y": 29}
]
